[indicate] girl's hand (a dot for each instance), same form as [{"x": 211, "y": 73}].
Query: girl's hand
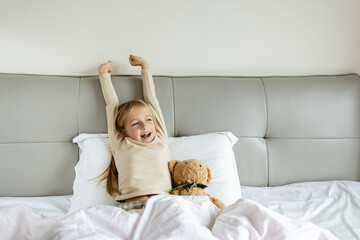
[
  {"x": 138, "y": 61},
  {"x": 105, "y": 67}
]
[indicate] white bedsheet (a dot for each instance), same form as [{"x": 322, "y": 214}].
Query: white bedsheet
[
  {"x": 165, "y": 217},
  {"x": 50, "y": 206},
  {"x": 333, "y": 205}
]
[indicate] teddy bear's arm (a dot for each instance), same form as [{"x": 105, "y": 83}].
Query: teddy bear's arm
[{"x": 217, "y": 203}]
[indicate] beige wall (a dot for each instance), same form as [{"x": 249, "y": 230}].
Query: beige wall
[{"x": 181, "y": 37}]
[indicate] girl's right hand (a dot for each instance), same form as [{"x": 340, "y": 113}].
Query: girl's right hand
[{"x": 105, "y": 67}]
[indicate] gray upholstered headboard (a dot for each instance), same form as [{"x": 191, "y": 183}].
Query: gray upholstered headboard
[{"x": 290, "y": 129}]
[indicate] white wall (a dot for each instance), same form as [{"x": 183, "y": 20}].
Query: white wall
[{"x": 181, "y": 37}]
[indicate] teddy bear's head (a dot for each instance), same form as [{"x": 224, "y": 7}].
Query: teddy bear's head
[{"x": 189, "y": 171}]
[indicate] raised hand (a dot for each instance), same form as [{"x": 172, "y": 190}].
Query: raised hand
[
  {"x": 105, "y": 67},
  {"x": 138, "y": 61}
]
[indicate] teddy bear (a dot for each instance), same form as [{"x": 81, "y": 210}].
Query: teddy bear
[{"x": 190, "y": 178}]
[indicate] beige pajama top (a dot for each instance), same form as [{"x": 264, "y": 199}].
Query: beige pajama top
[{"x": 142, "y": 167}]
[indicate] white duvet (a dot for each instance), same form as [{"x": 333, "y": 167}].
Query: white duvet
[
  {"x": 165, "y": 217},
  {"x": 333, "y": 205}
]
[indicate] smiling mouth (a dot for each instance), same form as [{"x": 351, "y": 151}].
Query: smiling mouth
[{"x": 146, "y": 135}]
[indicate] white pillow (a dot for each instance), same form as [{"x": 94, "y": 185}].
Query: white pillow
[
  {"x": 213, "y": 149},
  {"x": 95, "y": 156}
]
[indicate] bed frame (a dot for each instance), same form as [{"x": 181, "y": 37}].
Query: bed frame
[{"x": 290, "y": 129}]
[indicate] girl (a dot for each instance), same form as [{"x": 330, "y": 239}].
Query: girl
[{"x": 138, "y": 142}]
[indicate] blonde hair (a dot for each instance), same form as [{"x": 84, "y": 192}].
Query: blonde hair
[{"x": 121, "y": 113}]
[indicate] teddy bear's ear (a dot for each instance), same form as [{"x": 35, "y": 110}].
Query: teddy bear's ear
[
  {"x": 172, "y": 164},
  {"x": 209, "y": 175}
]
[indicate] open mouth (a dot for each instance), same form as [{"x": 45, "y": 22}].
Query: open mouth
[{"x": 146, "y": 135}]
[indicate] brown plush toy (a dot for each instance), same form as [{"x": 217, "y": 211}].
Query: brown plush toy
[{"x": 190, "y": 177}]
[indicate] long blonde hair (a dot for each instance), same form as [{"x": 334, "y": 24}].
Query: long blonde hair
[{"x": 121, "y": 113}]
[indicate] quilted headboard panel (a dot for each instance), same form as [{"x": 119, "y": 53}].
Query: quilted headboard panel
[
  {"x": 38, "y": 120},
  {"x": 290, "y": 129}
]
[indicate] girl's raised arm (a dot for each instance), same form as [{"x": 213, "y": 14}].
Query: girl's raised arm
[
  {"x": 111, "y": 99},
  {"x": 106, "y": 84},
  {"x": 149, "y": 90}
]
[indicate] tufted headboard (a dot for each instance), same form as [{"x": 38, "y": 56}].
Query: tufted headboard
[{"x": 290, "y": 129}]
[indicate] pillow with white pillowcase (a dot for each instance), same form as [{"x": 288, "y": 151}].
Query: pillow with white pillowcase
[
  {"x": 215, "y": 150},
  {"x": 95, "y": 157}
]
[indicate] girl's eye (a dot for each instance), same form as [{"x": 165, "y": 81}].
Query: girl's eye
[
  {"x": 149, "y": 120},
  {"x": 135, "y": 124}
]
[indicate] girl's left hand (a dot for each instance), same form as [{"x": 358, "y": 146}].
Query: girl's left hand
[{"x": 138, "y": 61}]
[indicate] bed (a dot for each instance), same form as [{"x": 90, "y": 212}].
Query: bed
[{"x": 284, "y": 154}]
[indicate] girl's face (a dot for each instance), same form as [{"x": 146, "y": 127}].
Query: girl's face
[{"x": 140, "y": 125}]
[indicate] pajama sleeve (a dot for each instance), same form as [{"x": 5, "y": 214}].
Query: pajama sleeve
[
  {"x": 151, "y": 99},
  {"x": 112, "y": 102}
]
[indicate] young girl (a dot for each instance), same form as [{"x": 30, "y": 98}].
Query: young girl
[{"x": 138, "y": 142}]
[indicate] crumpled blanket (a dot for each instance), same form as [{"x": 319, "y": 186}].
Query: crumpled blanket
[{"x": 165, "y": 217}]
